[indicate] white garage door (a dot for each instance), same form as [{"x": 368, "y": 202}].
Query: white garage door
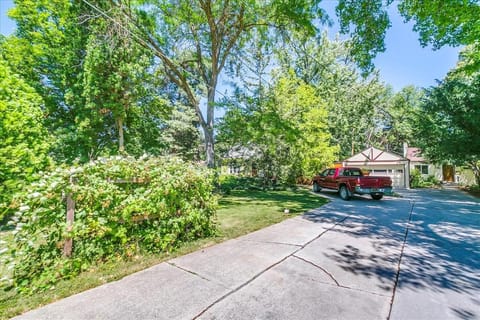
[{"x": 395, "y": 173}]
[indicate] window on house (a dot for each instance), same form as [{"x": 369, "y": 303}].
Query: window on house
[
  {"x": 422, "y": 168},
  {"x": 233, "y": 169}
]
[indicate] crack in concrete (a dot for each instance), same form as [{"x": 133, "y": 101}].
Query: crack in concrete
[
  {"x": 196, "y": 274},
  {"x": 335, "y": 280},
  {"x": 317, "y": 266},
  {"x": 412, "y": 202},
  {"x": 274, "y": 242},
  {"x": 266, "y": 269}
]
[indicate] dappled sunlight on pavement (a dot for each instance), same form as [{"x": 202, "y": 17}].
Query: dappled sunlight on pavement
[
  {"x": 440, "y": 269},
  {"x": 411, "y": 257}
]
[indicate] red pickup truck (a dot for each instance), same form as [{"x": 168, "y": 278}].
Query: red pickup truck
[{"x": 349, "y": 180}]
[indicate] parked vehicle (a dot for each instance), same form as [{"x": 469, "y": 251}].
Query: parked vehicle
[{"x": 349, "y": 180}]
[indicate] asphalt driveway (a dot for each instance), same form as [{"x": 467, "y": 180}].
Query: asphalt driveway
[{"x": 416, "y": 257}]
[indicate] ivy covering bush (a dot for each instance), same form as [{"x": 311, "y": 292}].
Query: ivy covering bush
[{"x": 122, "y": 206}]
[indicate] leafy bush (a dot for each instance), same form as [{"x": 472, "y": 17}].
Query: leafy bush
[
  {"x": 122, "y": 206},
  {"x": 418, "y": 181},
  {"x": 229, "y": 182},
  {"x": 473, "y": 190},
  {"x": 24, "y": 141}
]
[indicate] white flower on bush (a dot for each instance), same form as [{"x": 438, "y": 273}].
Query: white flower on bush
[
  {"x": 74, "y": 170},
  {"x": 34, "y": 195},
  {"x": 23, "y": 209}
]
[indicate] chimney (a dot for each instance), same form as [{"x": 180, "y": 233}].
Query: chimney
[{"x": 405, "y": 148}]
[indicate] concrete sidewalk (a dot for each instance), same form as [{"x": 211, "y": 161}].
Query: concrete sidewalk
[{"x": 337, "y": 262}]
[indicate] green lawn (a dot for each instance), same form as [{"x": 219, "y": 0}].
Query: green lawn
[
  {"x": 246, "y": 211},
  {"x": 239, "y": 213}
]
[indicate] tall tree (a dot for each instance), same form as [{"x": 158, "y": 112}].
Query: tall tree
[
  {"x": 117, "y": 71},
  {"x": 366, "y": 21},
  {"x": 354, "y": 102},
  {"x": 286, "y": 131},
  {"x": 50, "y": 58},
  {"x": 400, "y": 118},
  {"x": 300, "y": 105},
  {"x": 448, "y": 128},
  {"x": 98, "y": 85},
  {"x": 195, "y": 40},
  {"x": 180, "y": 135},
  {"x": 24, "y": 141},
  {"x": 441, "y": 23}
]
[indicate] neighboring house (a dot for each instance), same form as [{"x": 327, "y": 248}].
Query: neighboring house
[
  {"x": 444, "y": 172},
  {"x": 418, "y": 162},
  {"x": 240, "y": 161},
  {"x": 382, "y": 163}
]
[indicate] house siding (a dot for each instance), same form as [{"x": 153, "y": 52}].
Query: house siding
[{"x": 382, "y": 163}]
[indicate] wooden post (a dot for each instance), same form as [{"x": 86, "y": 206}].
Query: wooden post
[{"x": 67, "y": 249}]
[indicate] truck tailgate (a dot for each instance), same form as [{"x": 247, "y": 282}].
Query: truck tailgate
[{"x": 374, "y": 182}]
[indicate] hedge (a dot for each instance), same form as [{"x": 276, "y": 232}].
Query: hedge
[{"x": 123, "y": 206}]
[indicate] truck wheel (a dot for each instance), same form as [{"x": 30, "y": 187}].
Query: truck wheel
[
  {"x": 316, "y": 187},
  {"x": 344, "y": 192},
  {"x": 376, "y": 196}
]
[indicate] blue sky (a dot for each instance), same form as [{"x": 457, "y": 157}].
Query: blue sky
[{"x": 403, "y": 63}]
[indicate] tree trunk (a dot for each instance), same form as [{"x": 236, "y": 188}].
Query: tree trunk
[
  {"x": 476, "y": 171},
  {"x": 209, "y": 146},
  {"x": 121, "y": 142},
  {"x": 208, "y": 127}
]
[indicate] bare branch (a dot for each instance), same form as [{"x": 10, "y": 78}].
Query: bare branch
[{"x": 199, "y": 54}]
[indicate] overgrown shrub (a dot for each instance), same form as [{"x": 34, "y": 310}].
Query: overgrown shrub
[
  {"x": 24, "y": 141},
  {"x": 228, "y": 182},
  {"x": 472, "y": 189},
  {"x": 418, "y": 181},
  {"x": 122, "y": 206}
]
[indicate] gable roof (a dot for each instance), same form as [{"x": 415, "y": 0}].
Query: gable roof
[
  {"x": 373, "y": 154},
  {"x": 241, "y": 152},
  {"x": 415, "y": 154}
]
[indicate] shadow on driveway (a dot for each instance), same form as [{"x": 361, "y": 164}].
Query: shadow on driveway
[{"x": 440, "y": 264}]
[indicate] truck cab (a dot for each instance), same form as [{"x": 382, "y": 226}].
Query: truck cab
[{"x": 350, "y": 180}]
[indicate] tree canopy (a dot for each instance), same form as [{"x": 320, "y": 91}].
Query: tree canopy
[
  {"x": 24, "y": 141},
  {"x": 119, "y": 76},
  {"x": 448, "y": 127}
]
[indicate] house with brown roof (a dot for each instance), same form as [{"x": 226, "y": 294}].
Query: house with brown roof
[
  {"x": 444, "y": 172},
  {"x": 382, "y": 163},
  {"x": 399, "y": 167}
]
